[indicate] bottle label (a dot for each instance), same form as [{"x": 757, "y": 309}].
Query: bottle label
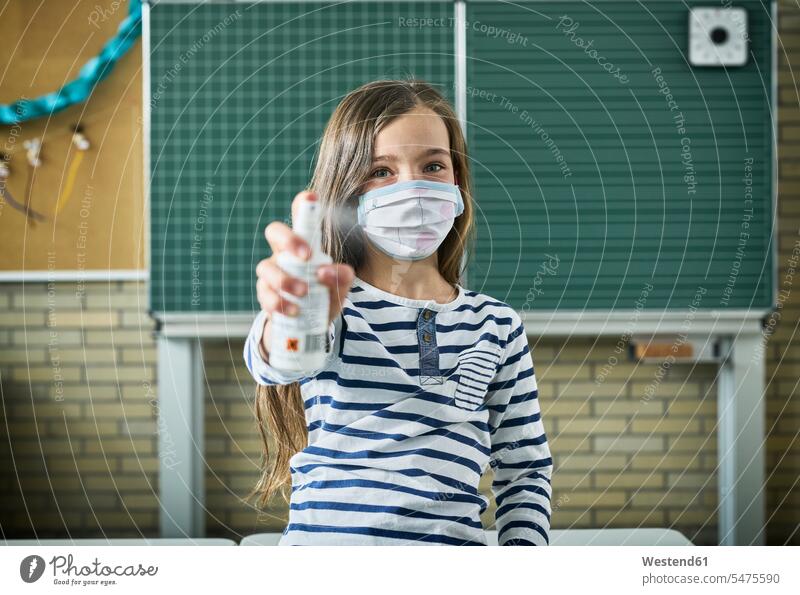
[
  {"x": 306, "y": 332},
  {"x": 297, "y": 342}
]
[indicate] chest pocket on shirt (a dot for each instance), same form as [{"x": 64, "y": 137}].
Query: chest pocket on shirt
[{"x": 476, "y": 367}]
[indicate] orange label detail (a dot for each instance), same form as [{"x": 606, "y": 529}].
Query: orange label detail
[
  {"x": 663, "y": 350},
  {"x": 292, "y": 344}
]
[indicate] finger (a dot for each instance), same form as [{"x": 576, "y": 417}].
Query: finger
[
  {"x": 338, "y": 278},
  {"x": 281, "y": 237},
  {"x": 280, "y": 280},
  {"x": 271, "y": 301}
]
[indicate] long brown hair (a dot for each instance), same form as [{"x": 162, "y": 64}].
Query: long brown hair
[{"x": 343, "y": 164}]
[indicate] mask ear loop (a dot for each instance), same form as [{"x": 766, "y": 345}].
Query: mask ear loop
[{"x": 455, "y": 177}]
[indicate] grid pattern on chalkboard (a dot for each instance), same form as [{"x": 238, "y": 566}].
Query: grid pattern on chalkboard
[
  {"x": 240, "y": 94},
  {"x": 583, "y": 179}
]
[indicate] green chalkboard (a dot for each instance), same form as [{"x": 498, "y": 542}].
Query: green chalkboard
[
  {"x": 584, "y": 170},
  {"x": 590, "y": 194},
  {"x": 239, "y": 97}
]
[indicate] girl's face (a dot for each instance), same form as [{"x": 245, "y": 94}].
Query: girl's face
[{"x": 414, "y": 146}]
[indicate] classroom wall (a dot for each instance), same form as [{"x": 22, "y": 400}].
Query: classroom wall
[
  {"x": 79, "y": 432},
  {"x": 783, "y": 355},
  {"x": 97, "y": 430}
]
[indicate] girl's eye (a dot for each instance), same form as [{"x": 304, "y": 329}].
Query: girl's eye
[{"x": 375, "y": 172}]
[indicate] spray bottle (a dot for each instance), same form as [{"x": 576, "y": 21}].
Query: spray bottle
[{"x": 299, "y": 343}]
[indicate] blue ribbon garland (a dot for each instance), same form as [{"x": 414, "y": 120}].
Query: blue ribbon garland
[{"x": 94, "y": 71}]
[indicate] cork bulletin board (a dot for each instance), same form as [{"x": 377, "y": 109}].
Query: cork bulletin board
[{"x": 79, "y": 211}]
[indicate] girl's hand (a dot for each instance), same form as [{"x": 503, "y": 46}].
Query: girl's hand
[{"x": 271, "y": 278}]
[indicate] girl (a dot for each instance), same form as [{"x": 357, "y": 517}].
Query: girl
[{"x": 426, "y": 382}]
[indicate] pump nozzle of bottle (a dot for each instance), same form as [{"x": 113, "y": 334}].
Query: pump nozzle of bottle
[{"x": 307, "y": 224}]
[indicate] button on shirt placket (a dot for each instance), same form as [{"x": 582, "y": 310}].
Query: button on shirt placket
[{"x": 428, "y": 350}]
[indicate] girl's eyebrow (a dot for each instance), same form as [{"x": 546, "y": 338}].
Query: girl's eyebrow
[{"x": 429, "y": 152}]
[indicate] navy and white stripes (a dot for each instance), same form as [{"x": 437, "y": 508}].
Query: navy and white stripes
[{"x": 415, "y": 401}]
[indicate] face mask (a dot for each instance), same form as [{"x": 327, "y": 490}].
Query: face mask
[{"x": 409, "y": 220}]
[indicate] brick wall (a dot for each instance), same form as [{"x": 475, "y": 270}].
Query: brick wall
[
  {"x": 78, "y": 450},
  {"x": 83, "y": 452},
  {"x": 78, "y": 444},
  {"x": 783, "y": 363}
]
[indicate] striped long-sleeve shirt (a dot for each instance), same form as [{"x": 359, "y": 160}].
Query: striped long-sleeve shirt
[{"x": 416, "y": 399}]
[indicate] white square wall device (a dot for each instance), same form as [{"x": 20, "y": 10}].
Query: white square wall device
[{"x": 718, "y": 36}]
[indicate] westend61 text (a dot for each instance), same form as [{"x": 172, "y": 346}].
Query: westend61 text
[{"x": 690, "y": 561}]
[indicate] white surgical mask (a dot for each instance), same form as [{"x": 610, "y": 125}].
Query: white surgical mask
[{"x": 409, "y": 220}]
